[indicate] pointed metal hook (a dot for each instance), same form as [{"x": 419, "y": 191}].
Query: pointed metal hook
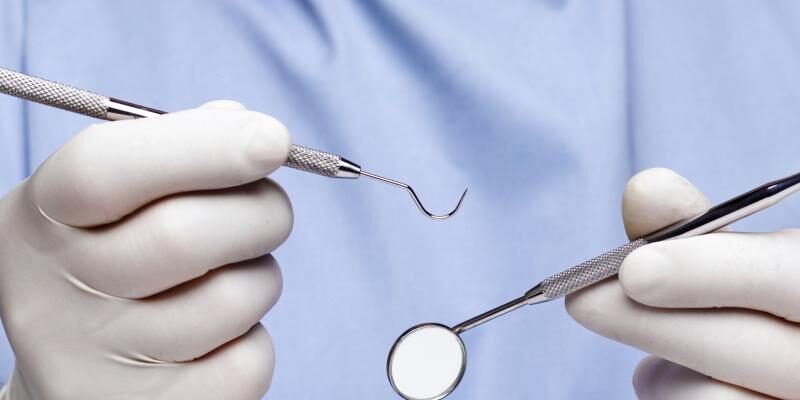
[{"x": 414, "y": 196}]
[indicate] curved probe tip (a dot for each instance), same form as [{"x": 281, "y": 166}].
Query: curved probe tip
[
  {"x": 416, "y": 199},
  {"x": 444, "y": 216}
]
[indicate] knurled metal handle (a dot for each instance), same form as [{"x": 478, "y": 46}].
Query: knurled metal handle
[
  {"x": 80, "y": 101},
  {"x": 588, "y": 272},
  {"x": 315, "y": 161},
  {"x": 53, "y": 94}
]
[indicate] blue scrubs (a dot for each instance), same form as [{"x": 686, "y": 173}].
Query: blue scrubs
[{"x": 543, "y": 108}]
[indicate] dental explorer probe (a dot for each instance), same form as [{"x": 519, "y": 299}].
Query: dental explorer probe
[
  {"x": 108, "y": 108},
  {"x": 607, "y": 264}
]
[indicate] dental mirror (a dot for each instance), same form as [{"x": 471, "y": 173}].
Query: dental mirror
[{"x": 426, "y": 362}]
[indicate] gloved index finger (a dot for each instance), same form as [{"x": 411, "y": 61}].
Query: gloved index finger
[
  {"x": 112, "y": 169},
  {"x": 746, "y": 270}
]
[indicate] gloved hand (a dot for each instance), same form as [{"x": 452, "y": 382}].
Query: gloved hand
[
  {"x": 134, "y": 263},
  {"x": 725, "y": 304}
]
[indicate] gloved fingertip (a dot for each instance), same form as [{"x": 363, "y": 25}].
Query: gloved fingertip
[
  {"x": 656, "y": 198},
  {"x": 224, "y": 105},
  {"x": 645, "y": 374},
  {"x": 269, "y": 144},
  {"x": 643, "y": 273}
]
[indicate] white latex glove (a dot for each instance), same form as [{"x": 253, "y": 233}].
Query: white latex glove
[
  {"x": 134, "y": 263},
  {"x": 725, "y": 305}
]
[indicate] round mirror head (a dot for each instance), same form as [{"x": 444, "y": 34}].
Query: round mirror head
[{"x": 426, "y": 362}]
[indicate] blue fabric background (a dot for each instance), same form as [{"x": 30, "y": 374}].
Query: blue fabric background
[{"x": 543, "y": 108}]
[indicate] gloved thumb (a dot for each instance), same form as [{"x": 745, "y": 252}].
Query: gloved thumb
[{"x": 656, "y": 198}]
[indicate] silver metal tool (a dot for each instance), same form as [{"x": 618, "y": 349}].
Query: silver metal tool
[
  {"x": 108, "y": 108},
  {"x": 412, "y": 352}
]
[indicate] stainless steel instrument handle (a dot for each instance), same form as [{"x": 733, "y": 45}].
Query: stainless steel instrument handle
[
  {"x": 84, "y": 102},
  {"x": 588, "y": 272},
  {"x": 53, "y": 94},
  {"x": 608, "y": 264}
]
